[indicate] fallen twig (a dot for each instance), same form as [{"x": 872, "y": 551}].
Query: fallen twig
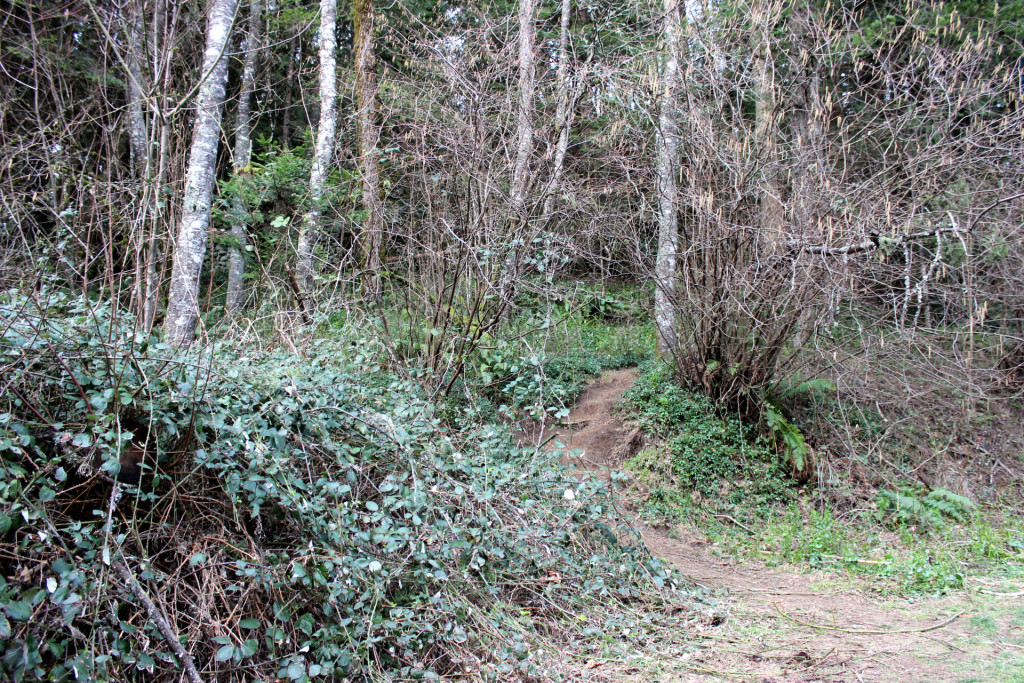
[
  {"x": 855, "y": 559},
  {"x": 947, "y": 622},
  {"x": 152, "y": 610},
  {"x": 158, "y": 618},
  {"x": 733, "y": 520}
]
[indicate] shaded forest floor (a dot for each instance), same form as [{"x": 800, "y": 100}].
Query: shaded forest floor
[{"x": 784, "y": 624}]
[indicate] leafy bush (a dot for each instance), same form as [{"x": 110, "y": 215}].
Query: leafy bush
[
  {"x": 310, "y": 518},
  {"x": 661, "y": 405},
  {"x": 534, "y": 383}
]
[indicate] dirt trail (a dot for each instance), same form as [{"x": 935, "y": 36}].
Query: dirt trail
[
  {"x": 592, "y": 428},
  {"x": 785, "y": 625}
]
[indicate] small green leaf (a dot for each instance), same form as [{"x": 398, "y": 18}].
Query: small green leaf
[
  {"x": 144, "y": 662},
  {"x": 249, "y": 648},
  {"x": 18, "y": 610}
]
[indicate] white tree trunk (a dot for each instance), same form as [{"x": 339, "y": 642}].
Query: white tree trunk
[
  {"x": 243, "y": 155},
  {"x": 524, "y": 127},
  {"x": 137, "y": 133},
  {"x": 563, "y": 112},
  {"x": 138, "y": 138},
  {"x": 369, "y": 133},
  {"x": 324, "y": 142},
  {"x": 190, "y": 246},
  {"x": 667, "y": 169}
]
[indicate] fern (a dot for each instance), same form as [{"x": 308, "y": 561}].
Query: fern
[
  {"x": 807, "y": 387},
  {"x": 908, "y": 506},
  {"x": 952, "y": 504},
  {"x": 789, "y": 436}
]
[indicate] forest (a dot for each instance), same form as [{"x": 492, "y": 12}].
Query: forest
[{"x": 508, "y": 340}]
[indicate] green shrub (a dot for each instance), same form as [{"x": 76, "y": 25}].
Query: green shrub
[
  {"x": 310, "y": 517},
  {"x": 534, "y": 384}
]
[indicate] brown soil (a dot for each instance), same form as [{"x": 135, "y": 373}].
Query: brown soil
[
  {"x": 785, "y": 625},
  {"x": 592, "y": 430}
]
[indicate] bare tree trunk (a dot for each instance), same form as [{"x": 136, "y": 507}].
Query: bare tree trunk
[
  {"x": 324, "y": 142},
  {"x": 155, "y": 255},
  {"x": 369, "y": 133},
  {"x": 807, "y": 169},
  {"x": 764, "y": 126},
  {"x": 563, "y": 112},
  {"x": 668, "y": 168},
  {"x": 524, "y": 127},
  {"x": 190, "y": 247},
  {"x": 294, "y": 48},
  {"x": 137, "y": 134},
  {"x": 162, "y": 38},
  {"x": 243, "y": 155},
  {"x": 138, "y": 138}
]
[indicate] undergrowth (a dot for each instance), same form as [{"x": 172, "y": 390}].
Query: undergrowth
[
  {"x": 309, "y": 518},
  {"x": 710, "y": 470},
  {"x": 554, "y": 350},
  {"x": 903, "y": 558},
  {"x": 701, "y": 450}
]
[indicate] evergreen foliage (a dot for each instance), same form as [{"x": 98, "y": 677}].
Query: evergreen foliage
[{"x": 318, "y": 500}]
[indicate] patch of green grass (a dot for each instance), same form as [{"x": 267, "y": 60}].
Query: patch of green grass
[
  {"x": 618, "y": 346},
  {"x": 994, "y": 622},
  {"x": 913, "y": 559}
]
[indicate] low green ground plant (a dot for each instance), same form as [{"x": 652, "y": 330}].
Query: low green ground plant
[
  {"x": 551, "y": 352},
  {"x": 702, "y": 449}
]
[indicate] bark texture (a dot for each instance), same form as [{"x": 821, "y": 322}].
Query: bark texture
[
  {"x": 563, "y": 111},
  {"x": 325, "y": 136},
  {"x": 772, "y": 212},
  {"x": 138, "y": 135},
  {"x": 161, "y": 41},
  {"x": 243, "y": 155},
  {"x": 369, "y": 134},
  {"x": 667, "y": 169},
  {"x": 524, "y": 125},
  {"x": 190, "y": 247},
  {"x": 138, "y": 138}
]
